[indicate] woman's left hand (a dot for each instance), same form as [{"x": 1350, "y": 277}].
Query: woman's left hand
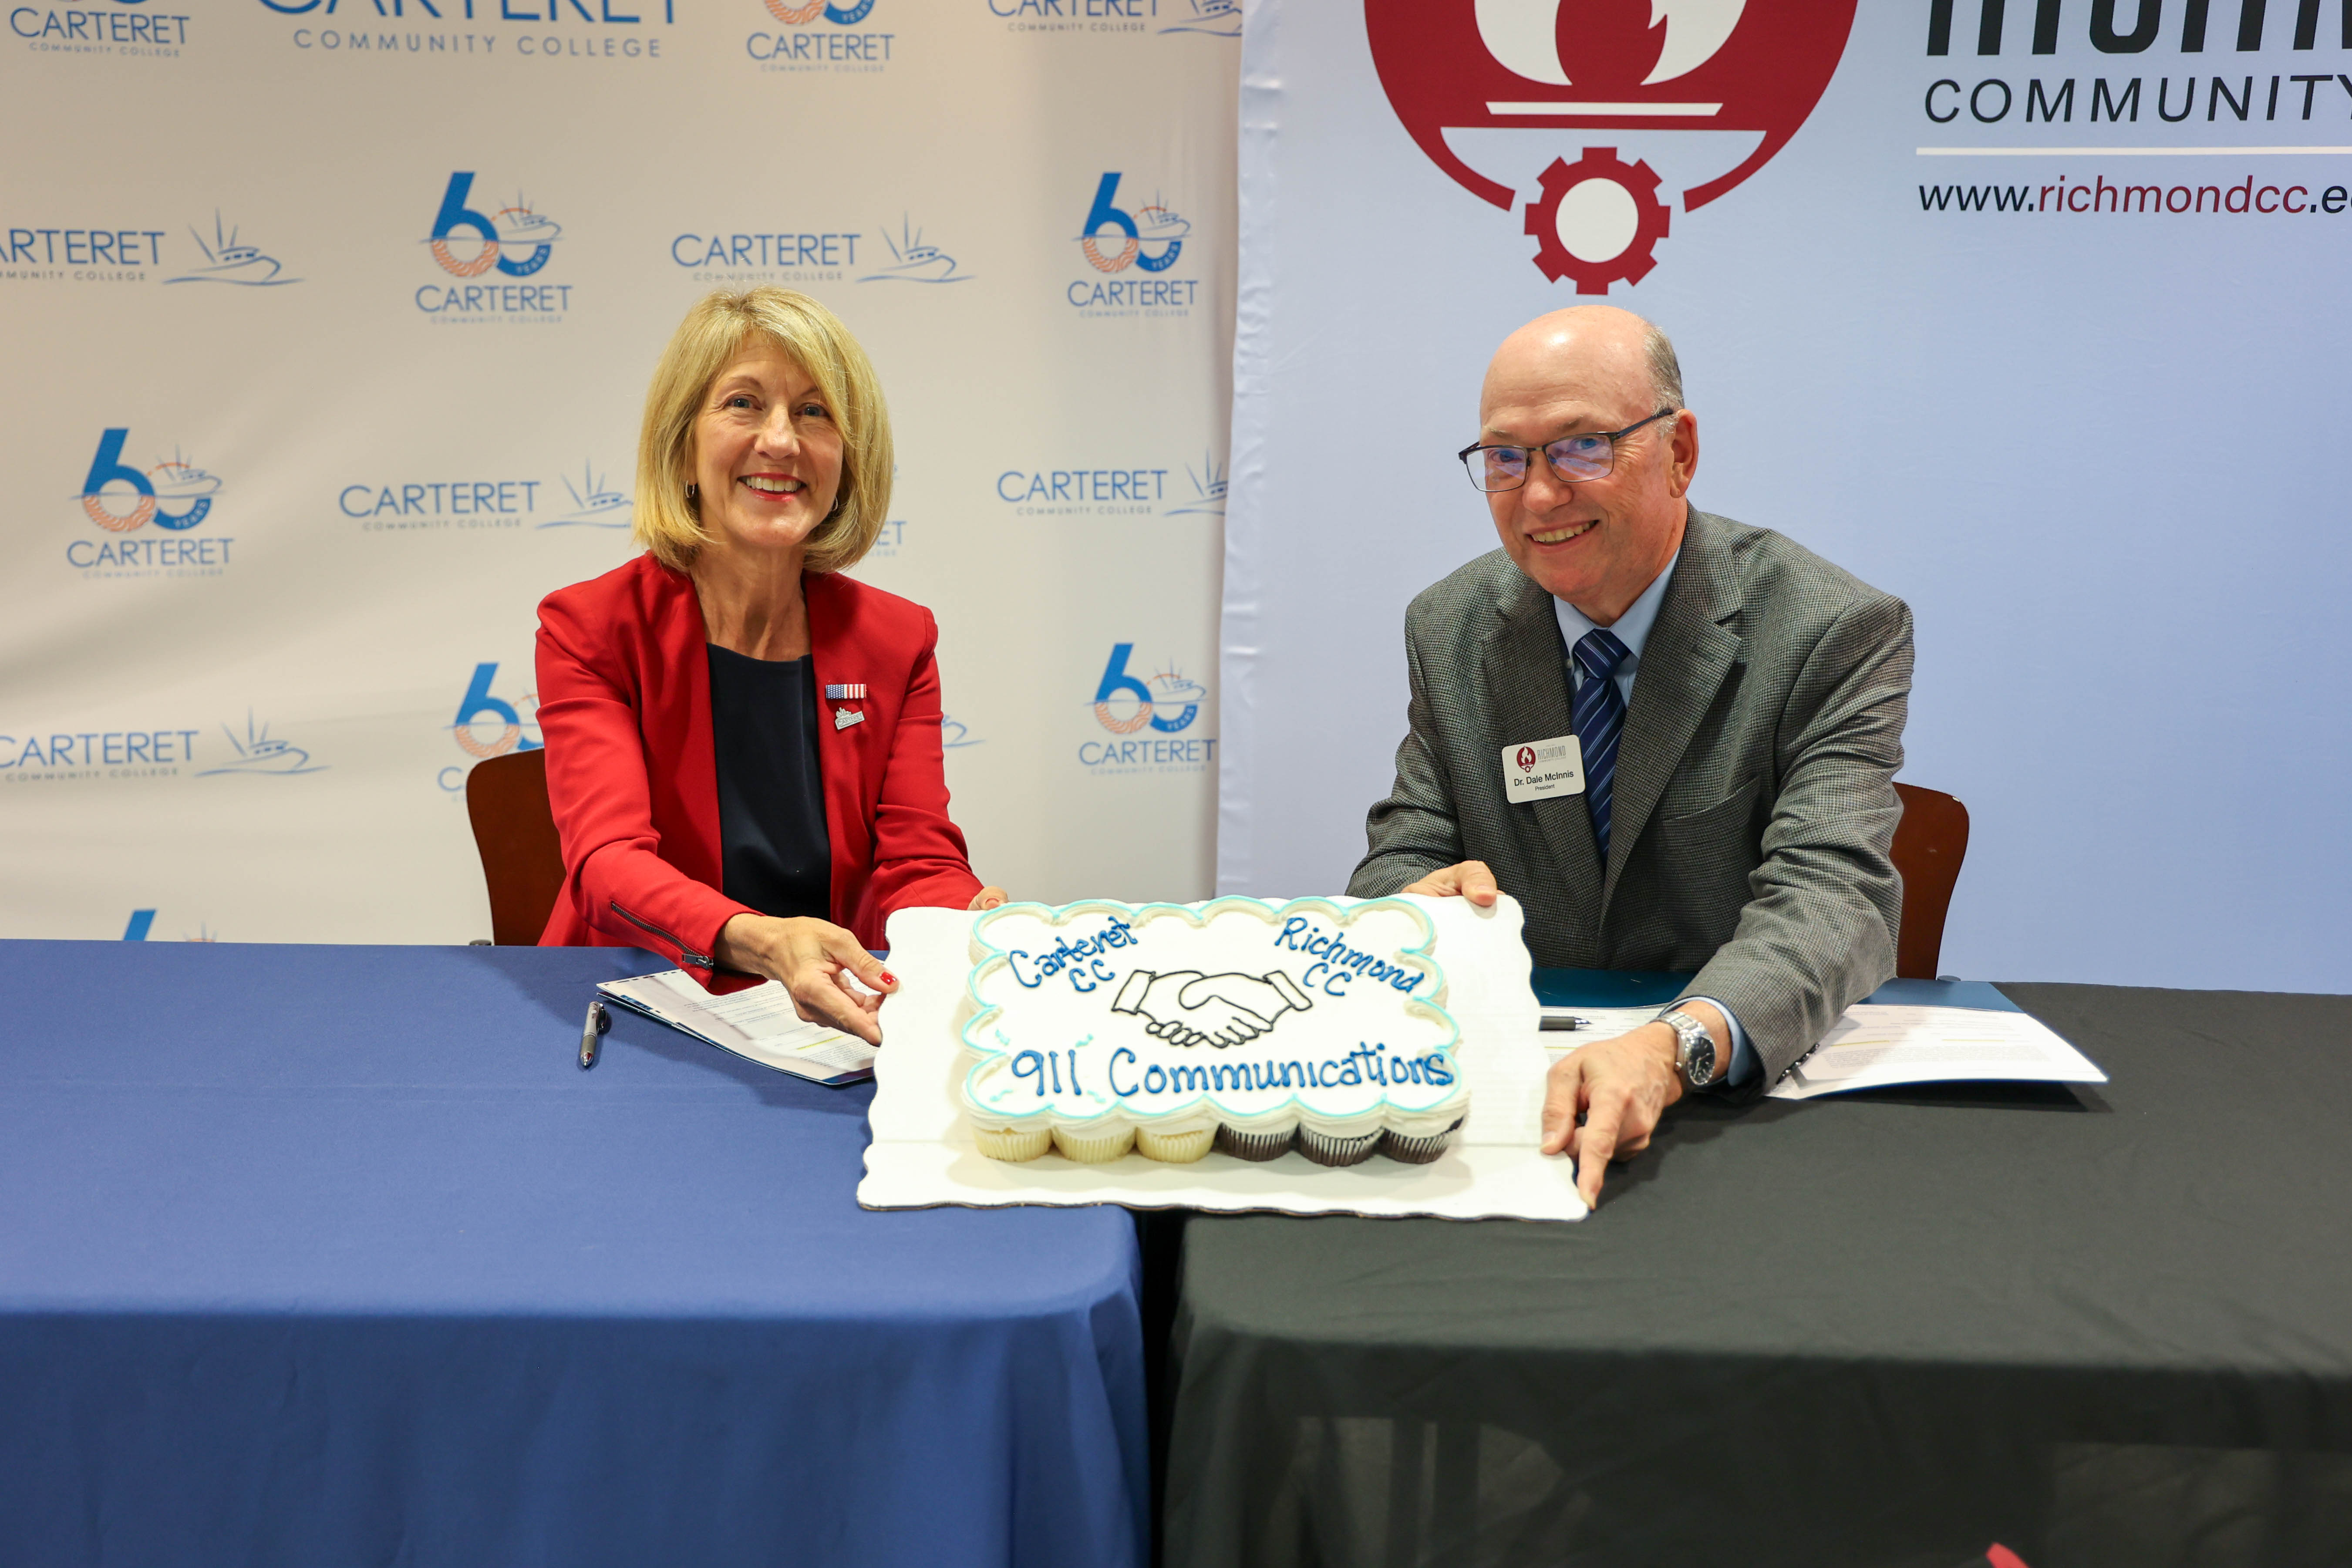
[{"x": 987, "y": 898}]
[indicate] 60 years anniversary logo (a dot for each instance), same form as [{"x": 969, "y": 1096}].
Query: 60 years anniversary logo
[
  {"x": 1150, "y": 239},
  {"x": 1148, "y": 719},
  {"x": 1534, "y": 103},
  {"x": 173, "y": 495},
  {"x": 517, "y": 240}
]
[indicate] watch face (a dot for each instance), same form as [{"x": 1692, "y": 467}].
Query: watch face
[{"x": 1702, "y": 1062}]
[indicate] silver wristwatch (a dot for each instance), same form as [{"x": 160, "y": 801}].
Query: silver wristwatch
[{"x": 1695, "y": 1053}]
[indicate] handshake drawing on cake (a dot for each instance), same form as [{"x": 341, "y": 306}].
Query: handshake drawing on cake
[{"x": 1188, "y": 1008}]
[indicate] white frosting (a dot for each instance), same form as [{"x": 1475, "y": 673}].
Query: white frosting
[{"x": 1168, "y": 1016}]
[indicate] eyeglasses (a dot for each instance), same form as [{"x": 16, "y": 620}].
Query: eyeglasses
[{"x": 1587, "y": 454}]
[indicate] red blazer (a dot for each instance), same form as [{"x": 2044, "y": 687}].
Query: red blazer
[{"x": 624, "y": 705}]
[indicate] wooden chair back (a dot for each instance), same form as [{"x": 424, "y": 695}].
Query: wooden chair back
[
  {"x": 1930, "y": 842},
  {"x": 514, "y": 830},
  {"x": 522, "y": 861}
]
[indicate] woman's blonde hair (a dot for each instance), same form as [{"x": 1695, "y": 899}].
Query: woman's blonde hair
[{"x": 712, "y": 334}]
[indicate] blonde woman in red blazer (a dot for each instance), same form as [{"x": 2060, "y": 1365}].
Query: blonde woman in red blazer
[{"x": 744, "y": 746}]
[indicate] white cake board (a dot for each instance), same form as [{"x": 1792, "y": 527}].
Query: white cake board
[{"x": 922, "y": 1154}]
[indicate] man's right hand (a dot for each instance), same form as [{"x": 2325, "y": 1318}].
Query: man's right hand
[
  {"x": 808, "y": 958},
  {"x": 1469, "y": 879}
]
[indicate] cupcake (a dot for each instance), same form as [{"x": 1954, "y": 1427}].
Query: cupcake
[
  {"x": 1094, "y": 1145},
  {"x": 1269, "y": 1141},
  {"x": 1014, "y": 1144},
  {"x": 1176, "y": 1142},
  {"x": 1342, "y": 1141},
  {"x": 1325, "y": 1149},
  {"x": 1415, "y": 1145}
]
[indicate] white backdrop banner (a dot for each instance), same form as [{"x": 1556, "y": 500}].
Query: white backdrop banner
[
  {"x": 2028, "y": 312},
  {"x": 328, "y": 342}
]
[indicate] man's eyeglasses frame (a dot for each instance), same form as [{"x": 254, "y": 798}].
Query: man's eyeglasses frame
[{"x": 1582, "y": 470}]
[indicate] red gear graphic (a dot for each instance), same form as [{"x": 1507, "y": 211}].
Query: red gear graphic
[{"x": 1630, "y": 266}]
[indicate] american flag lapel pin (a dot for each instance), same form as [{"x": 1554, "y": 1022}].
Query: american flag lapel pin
[{"x": 846, "y": 691}]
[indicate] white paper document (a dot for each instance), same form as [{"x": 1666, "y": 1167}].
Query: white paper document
[
  {"x": 759, "y": 1024},
  {"x": 1874, "y": 1045},
  {"x": 1877, "y": 1044}
]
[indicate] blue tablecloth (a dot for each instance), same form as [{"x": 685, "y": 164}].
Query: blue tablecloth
[{"x": 331, "y": 1255}]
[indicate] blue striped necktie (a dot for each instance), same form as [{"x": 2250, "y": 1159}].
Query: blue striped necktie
[{"x": 1600, "y": 718}]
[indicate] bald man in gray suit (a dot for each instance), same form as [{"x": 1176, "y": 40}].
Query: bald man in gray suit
[{"x": 1673, "y": 738}]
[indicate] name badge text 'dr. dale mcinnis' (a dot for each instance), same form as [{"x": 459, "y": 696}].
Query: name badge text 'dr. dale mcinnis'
[{"x": 1533, "y": 769}]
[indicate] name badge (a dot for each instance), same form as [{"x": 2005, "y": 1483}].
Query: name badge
[{"x": 1535, "y": 770}]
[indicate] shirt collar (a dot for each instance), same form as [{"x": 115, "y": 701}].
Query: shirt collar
[{"x": 1632, "y": 629}]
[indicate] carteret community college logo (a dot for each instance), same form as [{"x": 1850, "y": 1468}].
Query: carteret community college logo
[
  {"x": 1210, "y": 18},
  {"x": 1150, "y": 239},
  {"x": 365, "y": 30},
  {"x": 815, "y": 36},
  {"x": 172, "y": 496},
  {"x": 487, "y": 254},
  {"x": 1589, "y": 115},
  {"x": 127, "y": 28},
  {"x": 1148, "y": 720}
]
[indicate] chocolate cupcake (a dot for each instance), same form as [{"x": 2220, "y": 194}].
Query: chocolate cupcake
[
  {"x": 1419, "y": 1149},
  {"x": 1327, "y": 1149},
  {"x": 1256, "y": 1143}
]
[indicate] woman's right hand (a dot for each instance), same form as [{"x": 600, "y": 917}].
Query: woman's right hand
[{"x": 808, "y": 958}]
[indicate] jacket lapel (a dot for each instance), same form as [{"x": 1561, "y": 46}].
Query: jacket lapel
[
  {"x": 1527, "y": 692},
  {"x": 834, "y": 655},
  {"x": 1684, "y": 664}
]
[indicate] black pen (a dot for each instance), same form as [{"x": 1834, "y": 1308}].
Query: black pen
[
  {"x": 591, "y": 1032},
  {"x": 1555, "y": 1019}
]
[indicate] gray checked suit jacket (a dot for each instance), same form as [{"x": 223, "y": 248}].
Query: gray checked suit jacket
[{"x": 1754, "y": 801}]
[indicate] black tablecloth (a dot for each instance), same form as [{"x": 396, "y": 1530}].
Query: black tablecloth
[{"x": 2106, "y": 1325}]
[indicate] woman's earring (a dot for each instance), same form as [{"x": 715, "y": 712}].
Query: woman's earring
[{"x": 692, "y": 490}]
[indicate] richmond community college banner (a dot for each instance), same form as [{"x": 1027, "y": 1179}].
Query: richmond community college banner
[
  {"x": 329, "y": 327},
  {"x": 2030, "y": 312}
]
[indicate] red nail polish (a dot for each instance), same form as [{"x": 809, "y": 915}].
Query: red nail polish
[{"x": 889, "y": 978}]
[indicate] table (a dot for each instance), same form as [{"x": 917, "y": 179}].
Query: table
[
  {"x": 329, "y": 1255},
  {"x": 2097, "y": 1326}
]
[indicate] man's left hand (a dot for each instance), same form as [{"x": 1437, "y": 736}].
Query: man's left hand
[{"x": 1604, "y": 1101}]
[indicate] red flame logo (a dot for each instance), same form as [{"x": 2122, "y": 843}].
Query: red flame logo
[{"x": 1750, "y": 67}]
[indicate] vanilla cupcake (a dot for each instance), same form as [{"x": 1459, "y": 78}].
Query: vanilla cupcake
[
  {"x": 1178, "y": 1141},
  {"x": 1097, "y": 1145},
  {"x": 1013, "y": 1144}
]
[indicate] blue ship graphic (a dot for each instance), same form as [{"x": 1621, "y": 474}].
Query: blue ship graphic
[
  {"x": 1209, "y": 485},
  {"x": 519, "y": 228},
  {"x": 593, "y": 505},
  {"x": 233, "y": 261},
  {"x": 1218, "y": 18},
  {"x": 258, "y": 753},
  {"x": 913, "y": 261}
]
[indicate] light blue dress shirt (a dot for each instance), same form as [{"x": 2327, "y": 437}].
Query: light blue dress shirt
[{"x": 1633, "y": 630}]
